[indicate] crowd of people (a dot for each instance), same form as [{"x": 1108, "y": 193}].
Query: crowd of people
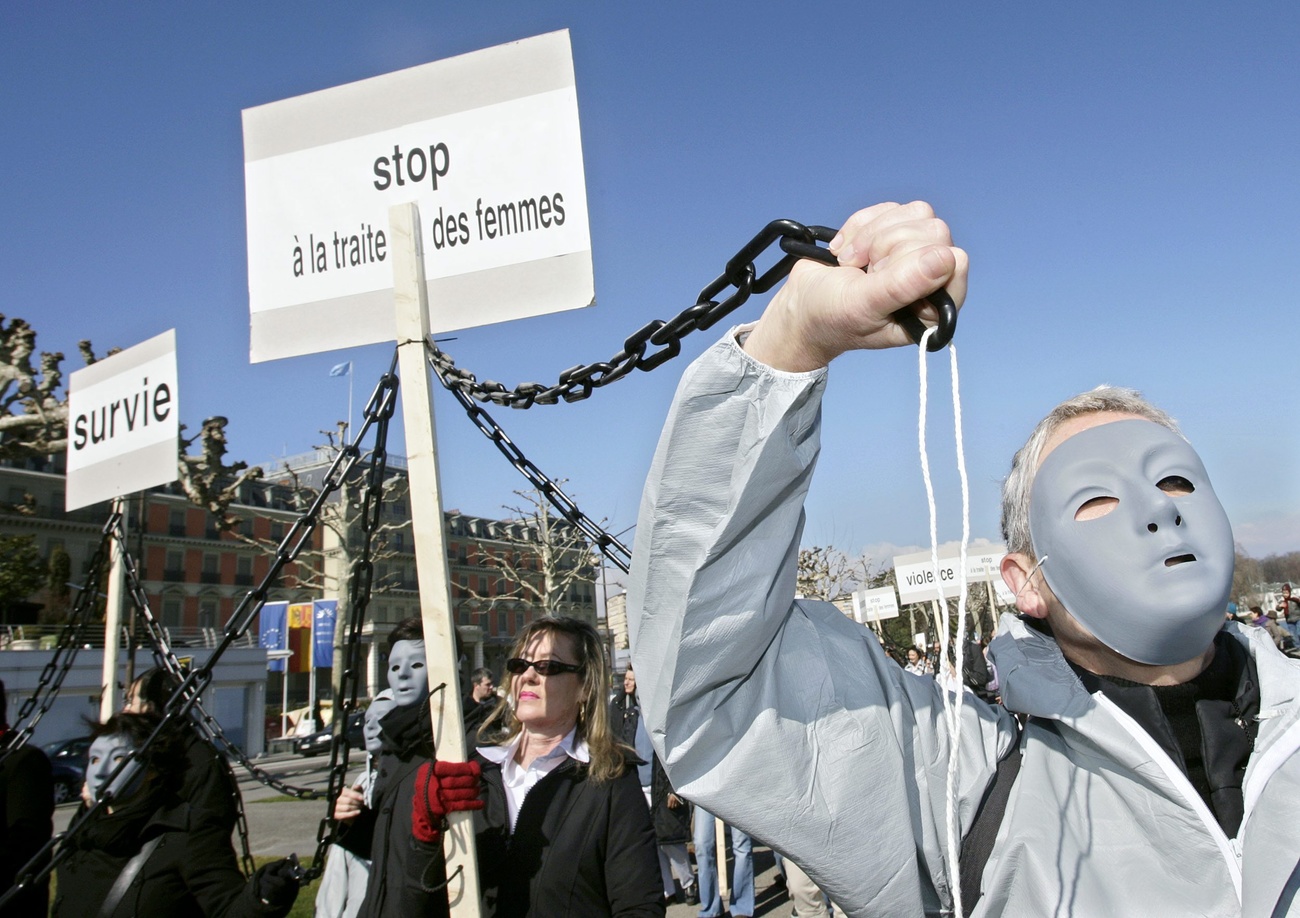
[{"x": 1120, "y": 749}]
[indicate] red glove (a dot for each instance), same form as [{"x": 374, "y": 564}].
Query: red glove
[{"x": 447, "y": 787}]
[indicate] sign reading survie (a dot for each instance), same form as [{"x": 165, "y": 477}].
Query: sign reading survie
[
  {"x": 122, "y": 423},
  {"x": 487, "y": 144}
]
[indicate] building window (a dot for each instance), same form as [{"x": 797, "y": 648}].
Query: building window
[
  {"x": 277, "y": 530},
  {"x": 171, "y": 613},
  {"x": 211, "y": 570},
  {"x": 176, "y": 522},
  {"x": 208, "y": 613},
  {"x": 244, "y": 571},
  {"x": 174, "y": 569}
]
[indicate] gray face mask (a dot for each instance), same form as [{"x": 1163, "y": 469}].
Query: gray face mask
[
  {"x": 408, "y": 677},
  {"x": 1151, "y": 578},
  {"x": 104, "y": 755}
]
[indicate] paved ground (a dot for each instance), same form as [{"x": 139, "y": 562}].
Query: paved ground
[{"x": 278, "y": 825}]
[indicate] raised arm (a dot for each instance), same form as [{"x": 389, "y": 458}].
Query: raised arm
[{"x": 782, "y": 716}]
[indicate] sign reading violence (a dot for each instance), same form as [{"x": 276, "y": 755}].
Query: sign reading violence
[
  {"x": 122, "y": 423},
  {"x": 487, "y": 144}
]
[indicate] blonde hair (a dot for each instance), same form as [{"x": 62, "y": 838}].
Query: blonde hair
[{"x": 608, "y": 755}]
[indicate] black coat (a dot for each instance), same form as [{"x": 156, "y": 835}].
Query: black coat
[
  {"x": 579, "y": 848},
  {"x": 397, "y": 863},
  {"x": 26, "y": 824},
  {"x": 624, "y": 715},
  {"x": 672, "y": 824},
  {"x": 208, "y": 783},
  {"x": 192, "y": 871}
]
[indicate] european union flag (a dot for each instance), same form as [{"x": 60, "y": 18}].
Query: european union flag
[
  {"x": 271, "y": 633},
  {"x": 324, "y": 612}
]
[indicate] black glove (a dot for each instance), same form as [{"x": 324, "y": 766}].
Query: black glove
[{"x": 277, "y": 882}]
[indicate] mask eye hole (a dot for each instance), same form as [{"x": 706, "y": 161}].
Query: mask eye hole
[
  {"x": 1095, "y": 508},
  {"x": 1176, "y": 485}
]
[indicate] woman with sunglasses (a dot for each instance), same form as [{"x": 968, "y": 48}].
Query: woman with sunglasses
[{"x": 564, "y": 828}]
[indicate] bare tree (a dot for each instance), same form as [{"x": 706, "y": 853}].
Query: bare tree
[
  {"x": 826, "y": 572},
  {"x": 206, "y": 479},
  {"x": 33, "y": 416},
  {"x": 544, "y": 558}
]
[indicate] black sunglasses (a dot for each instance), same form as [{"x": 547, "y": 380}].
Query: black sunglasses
[{"x": 519, "y": 666}]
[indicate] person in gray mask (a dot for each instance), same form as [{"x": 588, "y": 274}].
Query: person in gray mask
[
  {"x": 147, "y": 851},
  {"x": 377, "y": 826},
  {"x": 1145, "y": 762},
  {"x": 343, "y": 884}
]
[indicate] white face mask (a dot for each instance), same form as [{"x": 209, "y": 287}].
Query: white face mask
[
  {"x": 105, "y": 753},
  {"x": 1151, "y": 577},
  {"x": 408, "y": 676},
  {"x": 382, "y": 704}
]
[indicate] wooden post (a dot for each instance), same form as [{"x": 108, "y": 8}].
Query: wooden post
[
  {"x": 724, "y": 878},
  {"x": 112, "y": 621},
  {"x": 412, "y": 308}
]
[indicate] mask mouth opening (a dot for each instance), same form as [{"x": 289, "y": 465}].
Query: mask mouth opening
[{"x": 1179, "y": 559}]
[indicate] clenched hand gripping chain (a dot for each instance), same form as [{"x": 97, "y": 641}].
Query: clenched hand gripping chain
[{"x": 795, "y": 240}]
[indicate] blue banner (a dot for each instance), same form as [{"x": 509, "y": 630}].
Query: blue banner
[
  {"x": 324, "y": 612},
  {"x": 272, "y": 634}
]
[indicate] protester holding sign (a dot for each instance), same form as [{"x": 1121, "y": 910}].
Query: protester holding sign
[
  {"x": 562, "y": 825},
  {"x": 1157, "y": 772}
]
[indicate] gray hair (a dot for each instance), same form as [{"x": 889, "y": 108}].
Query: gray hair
[{"x": 1016, "y": 487}]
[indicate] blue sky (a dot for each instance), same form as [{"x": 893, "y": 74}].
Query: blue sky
[{"x": 1123, "y": 175}]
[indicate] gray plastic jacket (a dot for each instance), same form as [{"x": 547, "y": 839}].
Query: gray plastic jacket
[{"x": 786, "y": 718}]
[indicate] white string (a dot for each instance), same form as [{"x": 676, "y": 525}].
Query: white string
[{"x": 952, "y": 700}]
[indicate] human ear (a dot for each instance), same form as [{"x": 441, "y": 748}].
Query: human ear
[{"x": 1018, "y": 574}]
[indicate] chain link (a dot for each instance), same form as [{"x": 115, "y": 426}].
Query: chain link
[
  {"x": 796, "y": 241},
  {"x": 606, "y": 544}
]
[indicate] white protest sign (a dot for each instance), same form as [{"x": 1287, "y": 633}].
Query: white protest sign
[
  {"x": 875, "y": 605},
  {"x": 986, "y": 565},
  {"x": 487, "y": 144},
  {"x": 123, "y": 423},
  {"x": 916, "y": 576}
]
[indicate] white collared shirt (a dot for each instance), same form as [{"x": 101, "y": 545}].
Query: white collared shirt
[{"x": 519, "y": 781}]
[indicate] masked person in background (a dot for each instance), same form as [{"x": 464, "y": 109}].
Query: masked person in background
[
  {"x": 343, "y": 884},
  {"x": 146, "y": 852},
  {"x": 380, "y": 828},
  {"x": 1156, "y": 773},
  {"x": 207, "y": 783}
]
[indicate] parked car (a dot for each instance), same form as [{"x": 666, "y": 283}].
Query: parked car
[
  {"x": 68, "y": 764},
  {"x": 318, "y": 743}
]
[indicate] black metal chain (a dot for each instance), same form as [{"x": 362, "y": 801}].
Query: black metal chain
[
  {"x": 196, "y": 681},
  {"x": 71, "y": 640},
  {"x": 207, "y": 726},
  {"x": 608, "y": 545},
  {"x": 796, "y": 240},
  {"x": 360, "y": 582}
]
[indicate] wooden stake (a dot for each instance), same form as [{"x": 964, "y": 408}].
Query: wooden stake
[
  {"x": 411, "y": 301},
  {"x": 112, "y": 622}
]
